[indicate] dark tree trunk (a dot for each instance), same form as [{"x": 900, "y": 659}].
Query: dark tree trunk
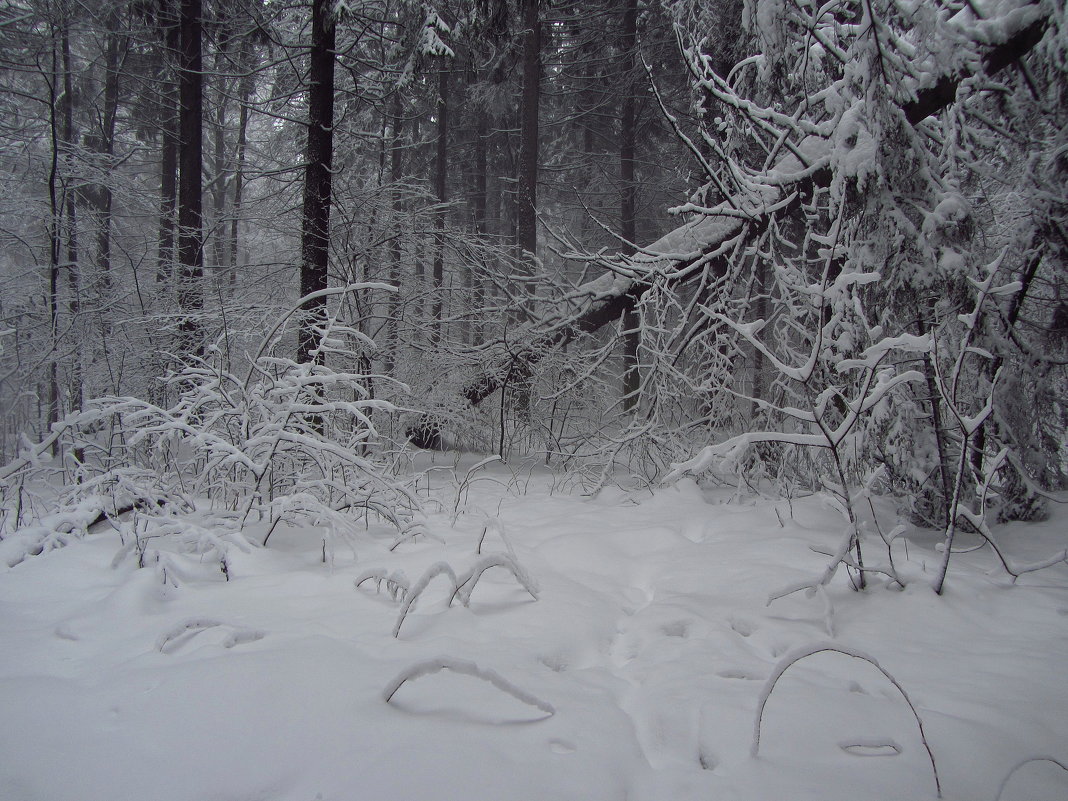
[
  {"x": 395, "y": 303},
  {"x": 71, "y": 265},
  {"x": 239, "y": 171},
  {"x": 219, "y": 159},
  {"x": 218, "y": 189},
  {"x": 441, "y": 172},
  {"x": 106, "y": 149},
  {"x": 315, "y": 232},
  {"x": 527, "y": 190},
  {"x": 190, "y": 183},
  {"x": 480, "y": 192},
  {"x": 55, "y": 246},
  {"x": 168, "y": 181},
  {"x": 628, "y": 197}
]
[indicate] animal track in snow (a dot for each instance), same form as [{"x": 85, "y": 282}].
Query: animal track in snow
[
  {"x": 677, "y": 628},
  {"x": 742, "y": 627},
  {"x": 64, "y": 632},
  {"x": 557, "y": 663},
  {"x": 707, "y": 760},
  {"x": 561, "y": 747},
  {"x": 736, "y": 673},
  {"x": 620, "y": 651}
]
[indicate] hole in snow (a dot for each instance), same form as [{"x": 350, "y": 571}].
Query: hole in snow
[
  {"x": 555, "y": 662},
  {"x": 741, "y": 627},
  {"x": 870, "y": 748}
]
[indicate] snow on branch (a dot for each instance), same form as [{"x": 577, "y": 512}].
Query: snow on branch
[
  {"x": 436, "y": 569},
  {"x": 466, "y": 585},
  {"x": 178, "y": 635},
  {"x": 462, "y": 586},
  {"x": 397, "y": 584},
  {"x": 466, "y": 668},
  {"x": 777, "y": 192}
]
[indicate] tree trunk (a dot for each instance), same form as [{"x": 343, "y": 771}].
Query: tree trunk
[
  {"x": 628, "y": 198},
  {"x": 218, "y": 189},
  {"x": 480, "y": 192},
  {"x": 168, "y": 181},
  {"x": 106, "y": 150},
  {"x": 395, "y": 303},
  {"x": 527, "y": 189},
  {"x": 441, "y": 172},
  {"x": 239, "y": 171},
  {"x": 315, "y": 232},
  {"x": 190, "y": 185},
  {"x": 219, "y": 159},
  {"x": 54, "y": 250},
  {"x": 71, "y": 224}
]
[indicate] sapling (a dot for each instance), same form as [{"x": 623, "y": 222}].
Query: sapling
[
  {"x": 834, "y": 417},
  {"x": 800, "y": 654},
  {"x": 466, "y": 668},
  {"x": 462, "y": 585},
  {"x": 284, "y": 442},
  {"x": 953, "y": 397},
  {"x": 466, "y": 583},
  {"x": 397, "y": 584},
  {"x": 436, "y": 569},
  {"x": 1063, "y": 765}
]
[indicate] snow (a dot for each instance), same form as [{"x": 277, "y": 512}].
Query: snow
[{"x": 637, "y": 672}]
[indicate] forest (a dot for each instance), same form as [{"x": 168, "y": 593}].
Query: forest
[{"x": 686, "y": 341}]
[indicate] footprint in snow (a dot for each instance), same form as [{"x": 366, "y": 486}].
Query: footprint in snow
[
  {"x": 557, "y": 663},
  {"x": 64, "y": 632},
  {"x": 677, "y": 628},
  {"x": 742, "y": 627},
  {"x": 621, "y": 652},
  {"x": 733, "y": 673}
]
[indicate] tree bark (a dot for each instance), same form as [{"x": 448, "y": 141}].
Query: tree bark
[{"x": 315, "y": 232}]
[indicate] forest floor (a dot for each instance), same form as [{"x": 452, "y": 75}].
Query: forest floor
[{"x": 637, "y": 673}]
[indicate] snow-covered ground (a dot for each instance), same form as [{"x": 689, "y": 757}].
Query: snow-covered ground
[{"x": 636, "y": 673}]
